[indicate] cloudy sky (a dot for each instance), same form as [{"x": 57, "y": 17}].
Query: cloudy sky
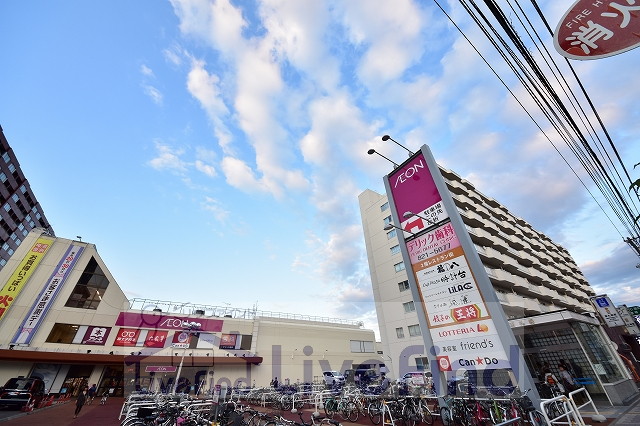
[{"x": 214, "y": 150}]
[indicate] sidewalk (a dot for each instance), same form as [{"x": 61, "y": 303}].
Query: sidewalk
[{"x": 62, "y": 415}]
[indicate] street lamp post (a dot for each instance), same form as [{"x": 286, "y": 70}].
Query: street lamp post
[{"x": 190, "y": 328}]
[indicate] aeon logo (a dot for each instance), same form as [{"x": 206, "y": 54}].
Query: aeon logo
[{"x": 411, "y": 171}]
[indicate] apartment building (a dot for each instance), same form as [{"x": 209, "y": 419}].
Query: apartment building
[
  {"x": 20, "y": 210},
  {"x": 540, "y": 288}
]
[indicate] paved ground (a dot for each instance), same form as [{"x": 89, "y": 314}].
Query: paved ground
[
  {"x": 62, "y": 415},
  {"x": 107, "y": 415}
]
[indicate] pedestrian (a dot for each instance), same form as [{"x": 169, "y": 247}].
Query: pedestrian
[
  {"x": 385, "y": 383},
  {"x": 565, "y": 377},
  {"x": 82, "y": 398},
  {"x": 275, "y": 383},
  {"x": 91, "y": 393}
]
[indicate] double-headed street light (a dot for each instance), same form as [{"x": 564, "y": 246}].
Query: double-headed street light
[{"x": 190, "y": 328}]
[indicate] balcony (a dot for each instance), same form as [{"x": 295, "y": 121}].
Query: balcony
[
  {"x": 525, "y": 258},
  {"x": 499, "y": 276},
  {"x": 456, "y": 187},
  {"x": 472, "y": 218},
  {"x": 480, "y": 236}
]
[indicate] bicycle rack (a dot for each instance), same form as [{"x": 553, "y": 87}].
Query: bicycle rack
[{"x": 570, "y": 415}]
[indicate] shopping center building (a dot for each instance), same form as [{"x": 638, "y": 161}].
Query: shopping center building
[
  {"x": 65, "y": 319},
  {"x": 540, "y": 288}
]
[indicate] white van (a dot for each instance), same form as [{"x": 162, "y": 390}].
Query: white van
[
  {"x": 415, "y": 378},
  {"x": 331, "y": 377}
]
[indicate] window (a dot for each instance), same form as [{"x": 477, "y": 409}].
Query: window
[
  {"x": 3, "y": 177},
  {"x": 359, "y": 346},
  {"x": 391, "y": 234},
  {"x": 400, "y": 332},
  {"x": 403, "y": 286},
  {"x": 395, "y": 249},
  {"x": 409, "y": 306},
  {"x": 5, "y": 157},
  {"x": 23, "y": 189},
  {"x": 62, "y": 333},
  {"x": 387, "y": 220},
  {"x": 12, "y": 168},
  {"x": 384, "y": 207},
  {"x": 399, "y": 266},
  {"x": 15, "y": 197},
  {"x": 422, "y": 364},
  {"x": 3, "y": 262},
  {"x": 5, "y": 246},
  {"x": 6, "y": 207},
  {"x": 414, "y": 330},
  {"x": 88, "y": 292}
]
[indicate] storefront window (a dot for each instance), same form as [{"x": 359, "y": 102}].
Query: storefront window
[{"x": 599, "y": 352}]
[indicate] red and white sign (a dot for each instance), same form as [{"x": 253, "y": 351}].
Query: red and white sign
[
  {"x": 155, "y": 339},
  {"x": 127, "y": 337},
  {"x": 593, "y": 29},
  {"x": 181, "y": 339}
]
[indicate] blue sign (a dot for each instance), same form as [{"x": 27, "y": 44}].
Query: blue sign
[{"x": 602, "y": 302}]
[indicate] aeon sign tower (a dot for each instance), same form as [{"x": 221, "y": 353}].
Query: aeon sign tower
[{"x": 463, "y": 324}]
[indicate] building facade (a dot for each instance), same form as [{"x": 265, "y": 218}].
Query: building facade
[
  {"x": 20, "y": 210},
  {"x": 534, "y": 278},
  {"x": 64, "y": 318}
]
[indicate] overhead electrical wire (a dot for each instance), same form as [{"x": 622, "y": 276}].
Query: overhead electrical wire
[{"x": 571, "y": 122}]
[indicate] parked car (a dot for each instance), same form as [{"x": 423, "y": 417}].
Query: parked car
[
  {"x": 20, "y": 392},
  {"x": 365, "y": 376},
  {"x": 333, "y": 377},
  {"x": 415, "y": 378}
]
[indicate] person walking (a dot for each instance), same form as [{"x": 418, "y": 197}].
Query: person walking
[
  {"x": 82, "y": 398},
  {"x": 91, "y": 393}
]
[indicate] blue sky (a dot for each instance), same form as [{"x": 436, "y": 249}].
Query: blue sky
[{"x": 214, "y": 151}]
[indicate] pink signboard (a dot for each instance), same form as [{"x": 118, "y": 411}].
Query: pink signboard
[
  {"x": 593, "y": 29},
  {"x": 160, "y": 369},
  {"x": 412, "y": 187},
  {"x": 158, "y": 320}
]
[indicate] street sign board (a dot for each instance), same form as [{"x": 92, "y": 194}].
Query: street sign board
[{"x": 593, "y": 29}]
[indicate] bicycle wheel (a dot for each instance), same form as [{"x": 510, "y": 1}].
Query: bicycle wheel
[
  {"x": 409, "y": 415},
  {"x": 375, "y": 412},
  {"x": 536, "y": 418},
  {"x": 343, "y": 410},
  {"x": 352, "y": 412},
  {"x": 330, "y": 407},
  {"x": 445, "y": 416},
  {"x": 425, "y": 414}
]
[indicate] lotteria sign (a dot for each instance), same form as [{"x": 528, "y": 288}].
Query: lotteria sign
[
  {"x": 593, "y": 29},
  {"x": 459, "y": 322}
]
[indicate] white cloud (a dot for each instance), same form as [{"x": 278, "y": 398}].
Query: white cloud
[
  {"x": 168, "y": 158},
  {"x": 215, "y": 207},
  {"x": 146, "y": 71},
  {"x": 218, "y": 23},
  {"x": 155, "y": 94}
]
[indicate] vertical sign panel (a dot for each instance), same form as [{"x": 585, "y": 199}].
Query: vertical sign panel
[
  {"x": 47, "y": 295},
  {"x": 460, "y": 324},
  {"x": 21, "y": 275}
]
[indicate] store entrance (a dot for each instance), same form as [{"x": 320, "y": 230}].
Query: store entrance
[
  {"x": 77, "y": 379},
  {"x": 112, "y": 382}
]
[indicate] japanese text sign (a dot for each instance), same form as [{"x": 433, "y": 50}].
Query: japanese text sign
[
  {"x": 48, "y": 294},
  {"x": 96, "y": 335},
  {"x": 127, "y": 337},
  {"x": 21, "y": 275},
  {"x": 593, "y": 29}
]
